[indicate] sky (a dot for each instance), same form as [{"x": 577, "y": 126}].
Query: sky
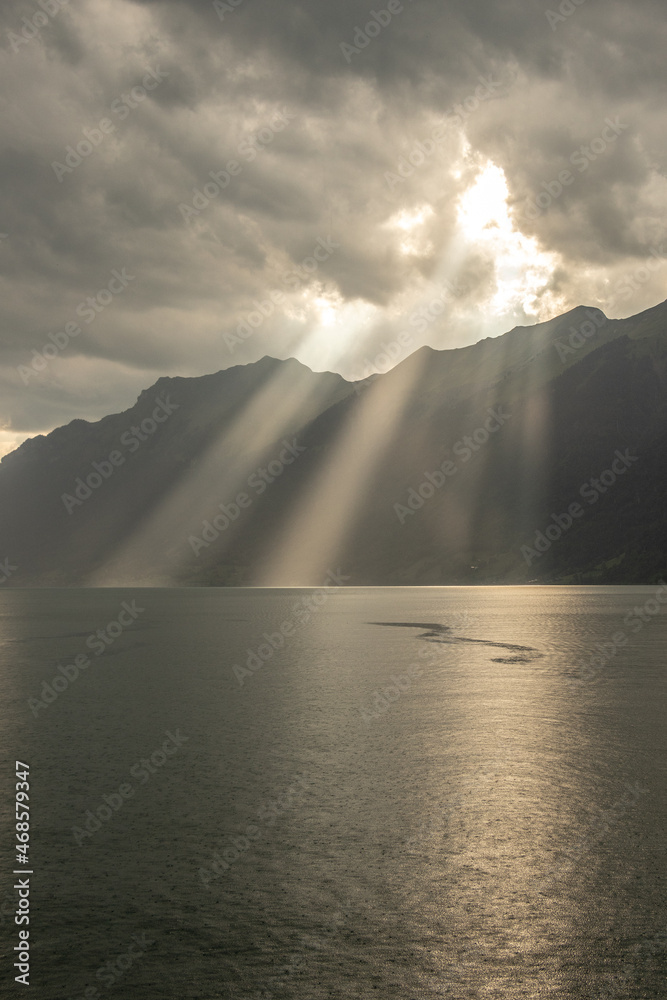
[{"x": 188, "y": 186}]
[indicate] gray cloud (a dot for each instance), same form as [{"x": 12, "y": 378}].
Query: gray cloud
[{"x": 352, "y": 119}]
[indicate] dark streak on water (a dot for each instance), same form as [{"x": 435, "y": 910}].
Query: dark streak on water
[{"x": 443, "y": 634}]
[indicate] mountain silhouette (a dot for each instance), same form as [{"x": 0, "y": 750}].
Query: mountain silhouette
[{"x": 538, "y": 456}]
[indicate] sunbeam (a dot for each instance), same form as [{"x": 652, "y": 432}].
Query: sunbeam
[
  {"x": 324, "y": 516},
  {"x": 279, "y": 399}
]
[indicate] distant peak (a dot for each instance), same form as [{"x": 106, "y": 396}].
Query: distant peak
[
  {"x": 268, "y": 361},
  {"x": 578, "y": 309}
]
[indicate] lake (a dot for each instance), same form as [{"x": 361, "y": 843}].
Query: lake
[{"x": 363, "y": 792}]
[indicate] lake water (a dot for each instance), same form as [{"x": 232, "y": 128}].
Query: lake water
[{"x": 428, "y": 792}]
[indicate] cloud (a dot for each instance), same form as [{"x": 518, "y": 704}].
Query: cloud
[{"x": 185, "y": 93}]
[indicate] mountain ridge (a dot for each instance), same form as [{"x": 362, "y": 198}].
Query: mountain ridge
[{"x": 360, "y": 452}]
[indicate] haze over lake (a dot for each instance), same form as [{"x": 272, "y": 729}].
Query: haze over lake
[{"x": 426, "y": 792}]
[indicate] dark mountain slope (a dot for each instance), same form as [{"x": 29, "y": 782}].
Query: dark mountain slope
[{"x": 447, "y": 469}]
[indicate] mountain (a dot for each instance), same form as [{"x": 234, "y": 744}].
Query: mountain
[{"x": 538, "y": 456}]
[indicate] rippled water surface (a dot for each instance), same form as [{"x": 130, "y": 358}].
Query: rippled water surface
[{"x": 428, "y": 792}]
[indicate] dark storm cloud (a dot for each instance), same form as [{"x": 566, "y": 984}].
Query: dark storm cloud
[{"x": 354, "y": 107}]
